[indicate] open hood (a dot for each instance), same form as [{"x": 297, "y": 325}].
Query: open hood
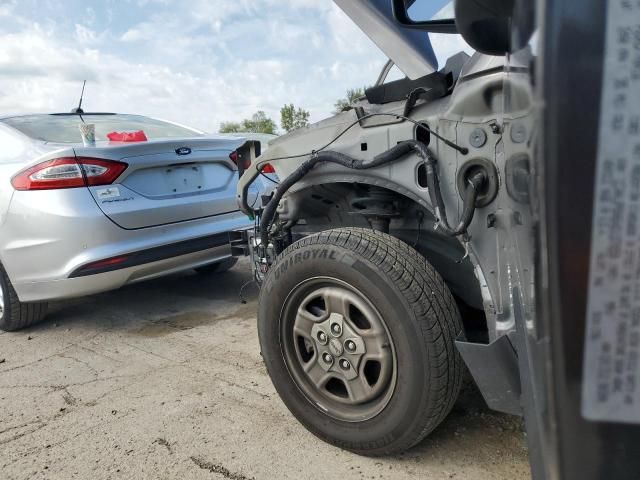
[{"x": 409, "y": 49}]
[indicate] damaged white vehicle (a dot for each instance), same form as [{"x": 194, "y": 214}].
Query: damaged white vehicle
[{"x": 397, "y": 247}]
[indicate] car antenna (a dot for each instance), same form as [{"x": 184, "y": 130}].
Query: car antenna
[{"x": 79, "y": 110}]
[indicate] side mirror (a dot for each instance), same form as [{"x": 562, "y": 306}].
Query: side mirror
[
  {"x": 410, "y": 15},
  {"x": 493, "y": 27}
]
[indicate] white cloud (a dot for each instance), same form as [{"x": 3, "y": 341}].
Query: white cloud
[
  {"x": 211, "y": 62},
  {"x": 132, "y": 35},
  {"x": 6, "y": 9},
  {"x": 84, "y": 35},
  {"x": 52, "y": 80}
]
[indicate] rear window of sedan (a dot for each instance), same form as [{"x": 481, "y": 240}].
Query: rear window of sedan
[{"x": 57, "y": 128}]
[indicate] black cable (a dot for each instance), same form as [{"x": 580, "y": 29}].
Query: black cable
[
  {"x": 243, "y": 300},
  {"x": 255, "y": 200},
  {"x": 401, "y": 149},
  {"x": 475, "y": 181},
  {"x": 394, "y": 153},
  {"x": 269, "y": 178},
  {"x": 462, "y": 150},
  {"x": 260, "y": 165}
]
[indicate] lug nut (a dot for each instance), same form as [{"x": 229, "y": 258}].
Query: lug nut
[
  {"x": 350, "y": 345},
  {"x": 322, "y": 338},
  {"x": 327, "y": 358},
  {"x": 344, "y": 364},
  {"x": 336, "y": 329}
]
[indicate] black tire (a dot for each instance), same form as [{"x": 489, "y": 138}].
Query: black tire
[
  {"x": 422, "y": 321},
  {"x": 218, "y": 267},
  {"x": 16, "y": 314}
]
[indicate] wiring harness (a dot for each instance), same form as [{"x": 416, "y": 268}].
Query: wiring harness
[{"x": 476, "y": 182}]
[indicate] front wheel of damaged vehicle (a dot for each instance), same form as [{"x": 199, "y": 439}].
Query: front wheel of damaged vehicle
[
  {"x": 15, "y": 314},
  {"x": 357, "y": 331}
]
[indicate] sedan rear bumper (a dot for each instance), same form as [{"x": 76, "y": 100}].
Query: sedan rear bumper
[
  {"x": 153, "y": 255},
  {"x": 48, "y": 237},
  {"x": 100, "y": 282}
]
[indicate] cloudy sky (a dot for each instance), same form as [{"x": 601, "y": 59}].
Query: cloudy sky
[{"x": 199, "y": 62}]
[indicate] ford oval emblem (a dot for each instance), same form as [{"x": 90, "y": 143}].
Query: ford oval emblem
[{"x": 183, "y": 151}]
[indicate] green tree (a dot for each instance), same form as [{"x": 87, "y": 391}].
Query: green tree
[
  {"x": 258, "y": 123},
  {"x": 345, "y": 103},
  {"x": 292, "y": 119},
  {"x": 230, "y": 127}
]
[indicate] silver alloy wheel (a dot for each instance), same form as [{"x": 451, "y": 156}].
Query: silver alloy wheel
[{"x": 338, "y": 349}]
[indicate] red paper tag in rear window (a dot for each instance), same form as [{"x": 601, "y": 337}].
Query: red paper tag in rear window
[{"x": 138, "y": 136}]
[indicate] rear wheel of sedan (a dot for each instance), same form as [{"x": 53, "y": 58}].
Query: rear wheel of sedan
[
  {"x": 218, "y": 267},
  {"x": 15, "y": 314},
  {"x": 357, "y": 332}
]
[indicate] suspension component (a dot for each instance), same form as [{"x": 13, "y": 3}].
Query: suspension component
[{"x": 378, "y": 207}]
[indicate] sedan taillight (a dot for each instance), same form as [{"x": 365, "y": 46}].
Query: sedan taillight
[
  {"x": 68, "y": 172},
  {"x": 268, "y": 168},
  {"x": 235, "y": 157},
  {"x": 242, "y": 163}
]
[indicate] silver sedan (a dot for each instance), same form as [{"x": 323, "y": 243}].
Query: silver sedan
[{"x": 77, "y": 220}]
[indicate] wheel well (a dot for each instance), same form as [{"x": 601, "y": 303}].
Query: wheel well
[{"x": 334, "y": 205}]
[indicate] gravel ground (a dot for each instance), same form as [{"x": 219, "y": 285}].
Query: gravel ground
[{"x": 164, "y": 380}]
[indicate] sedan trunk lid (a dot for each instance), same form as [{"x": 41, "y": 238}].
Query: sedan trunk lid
[{"x": 167, "y": 181}]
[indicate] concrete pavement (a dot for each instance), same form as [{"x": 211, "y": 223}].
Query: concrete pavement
[{"x": 164, "y": 380}]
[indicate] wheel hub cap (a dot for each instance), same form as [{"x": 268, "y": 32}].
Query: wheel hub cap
[
  {"x": 336, "y": 347},
  {"x": 344, "y": 353}
]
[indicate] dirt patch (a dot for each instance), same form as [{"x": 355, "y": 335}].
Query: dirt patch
[
  {"x": 188, "y": 320},
  {"x": 216, "y": 468},
  {"x": 164, "y": 443},
  {"x": 173, "y": 323}
]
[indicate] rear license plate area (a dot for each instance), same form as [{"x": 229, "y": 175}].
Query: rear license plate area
[{"x": 184, "y": 179}]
